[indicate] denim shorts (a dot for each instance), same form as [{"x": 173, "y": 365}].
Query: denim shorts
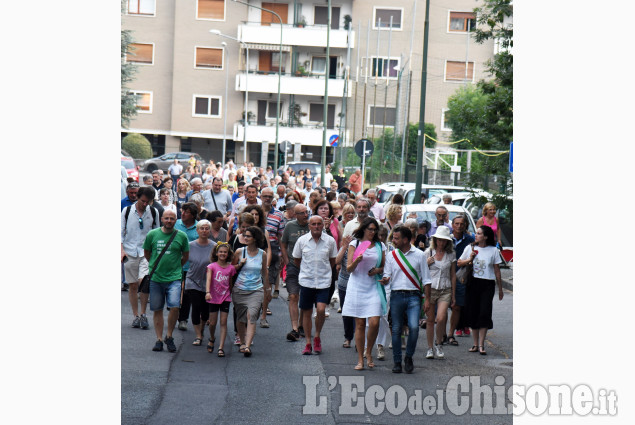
[
  {"x": 160, "y": 292},
  {"x": 311, "y": 296}
]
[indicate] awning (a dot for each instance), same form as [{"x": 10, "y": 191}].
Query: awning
[{"x": 271, "y": 47}]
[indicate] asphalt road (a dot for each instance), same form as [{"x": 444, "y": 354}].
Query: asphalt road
[{"x": 192, "y": 386}]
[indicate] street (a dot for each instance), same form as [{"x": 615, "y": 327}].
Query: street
[{"x": 193, "y": 386}]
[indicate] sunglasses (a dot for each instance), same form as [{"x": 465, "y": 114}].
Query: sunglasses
[{"x": 141, "y": 223}]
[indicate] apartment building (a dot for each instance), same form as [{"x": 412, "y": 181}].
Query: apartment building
[{"x": 183, "y": 69}]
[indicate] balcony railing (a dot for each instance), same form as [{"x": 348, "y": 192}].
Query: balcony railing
[
  {"x": 310, "y": 85},
  {"x": 292, "y": 35}
]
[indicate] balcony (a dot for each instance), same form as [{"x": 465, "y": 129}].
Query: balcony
[
  {"x": 310, "y": 36},
  {"x": 306, "y": 135},
  {"x": 310, "y": 85}
]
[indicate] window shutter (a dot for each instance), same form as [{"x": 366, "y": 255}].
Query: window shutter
[
  {"x": 141, "y": 53},
  {"x": 209, "y": 58},
  {"x": 455, "y": 71},
  {"x": 211, "y": 9}
]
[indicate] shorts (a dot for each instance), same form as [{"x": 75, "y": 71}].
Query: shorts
[
  {"x": 440, "y": 295},
  {"x": 135, "y": 268},
  {"x": 274, "y": 268},
  {"x": 160, "y": 292},
  {"x": 223, "y": 307},
  {"x": 293, "y": 284},
  {"x": 311, "y": 296}
]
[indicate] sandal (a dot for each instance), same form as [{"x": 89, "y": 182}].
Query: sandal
[
  {"x": 360, "y": 366},
  {"x": 452, "y": 341},
  {"x": 210, "y": 345},
  {"x": 474, "y": 349},
  {"x": 481, "y": 350},
  {"x": 347, "y": 344},
  {"x": 197, "y": 341},
  {"x": 370, "y": 363},
  {"x": 247, "y": 352},
  {"x": 269, "y": 313},
  {"x": 242, "y": 348},
  {"x": 221, "y": 352}
]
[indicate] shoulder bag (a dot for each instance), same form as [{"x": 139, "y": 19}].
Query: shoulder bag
[{"x": 145, "y": 283}]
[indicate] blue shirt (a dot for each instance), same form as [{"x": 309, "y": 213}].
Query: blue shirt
[
  {"x": 125, "y": 202},
  {"x": 191, "y": 233},
  {"x": 459, "y": 245}
]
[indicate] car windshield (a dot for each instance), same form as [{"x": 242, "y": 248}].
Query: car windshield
[
  {"x": 383, "y": 195},
  {"x": 430, "y": 217},
  {"x": 128, "y": 163}
]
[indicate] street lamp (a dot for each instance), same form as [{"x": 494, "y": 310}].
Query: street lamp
[
  {"x": 275, "y": 156},
  {"x": 246, "y": 120},
  {"x": 224, "y": 44}
]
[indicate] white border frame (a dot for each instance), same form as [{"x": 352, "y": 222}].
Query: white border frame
[
  {"x": 206, "y": 68},
  {"x": 141, "y": 63},
  {"x": 151, "y": 93},
  {"x": 447, "y": 28},
  {"x": 442, "y": 126},
  {"x": 445, "y": 69},
  {"x": 139, "y": 15},
  {"x": 368, "y": 124},
  {"x": 371, "y": 69},
  {"x": 209, "y": 106},
  {"x": 388, "y": 8},
  {"x": 209, "y": 19},
  {"x": 308, "y": 114},
  {"x": 275, "y": 103},
  {"x": 311, "y": 64}
]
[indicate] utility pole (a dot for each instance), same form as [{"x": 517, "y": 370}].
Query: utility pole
[
  {"x": 421, "y": 150},
  {"x": 326, "y": 91}
]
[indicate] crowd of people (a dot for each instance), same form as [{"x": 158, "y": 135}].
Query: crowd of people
[{"x": 229, "y": 238}]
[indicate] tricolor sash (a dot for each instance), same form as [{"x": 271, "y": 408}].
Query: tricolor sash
[{"x": 408, "y": 270}]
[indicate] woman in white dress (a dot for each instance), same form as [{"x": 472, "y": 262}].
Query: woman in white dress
[{"x": 365, "y": 297}]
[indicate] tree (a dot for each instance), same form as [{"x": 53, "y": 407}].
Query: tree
[
  {"x": 484, "y": 113},
  {"x": 137, "y": 146},
  {"x": 128, "y": 71}
]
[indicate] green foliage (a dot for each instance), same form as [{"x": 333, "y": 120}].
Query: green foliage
[
  {"x": 137, "y": 146},
  {"x": 128, "y": 71}
]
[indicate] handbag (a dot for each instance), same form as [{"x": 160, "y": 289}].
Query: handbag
[
  {"x": 145, "y": 283},
  {"x": 464, "y": 274}
]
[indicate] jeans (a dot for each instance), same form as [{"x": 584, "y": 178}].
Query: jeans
[
  {"x": 349, "y": 322},
  {"x": 410, "y": 302}
]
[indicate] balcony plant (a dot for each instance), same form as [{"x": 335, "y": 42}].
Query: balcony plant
[
  {"x": 296, "y": 115},
  {"x": 250, "y": 117},
  {"x": 347, "y": 21},
  {"x": 302, "y": 22}
]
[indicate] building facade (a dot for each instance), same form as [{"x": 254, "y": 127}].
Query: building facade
[{"x": 373, "y": 71}]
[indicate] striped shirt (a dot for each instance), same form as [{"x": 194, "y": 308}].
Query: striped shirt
[{"x": 275, "y": 227}]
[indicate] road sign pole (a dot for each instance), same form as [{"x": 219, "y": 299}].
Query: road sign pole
[{"x": 363, "y": 165}]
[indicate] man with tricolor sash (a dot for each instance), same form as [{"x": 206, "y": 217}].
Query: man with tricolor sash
[{"x": 407, "y": 270}]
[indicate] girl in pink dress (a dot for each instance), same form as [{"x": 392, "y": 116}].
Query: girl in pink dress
[{"x": 218, "y": 292}]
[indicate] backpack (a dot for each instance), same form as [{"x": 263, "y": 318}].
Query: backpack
[{"x": 152, "y": 210}]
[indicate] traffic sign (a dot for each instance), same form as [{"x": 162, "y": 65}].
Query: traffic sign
[
  {"x": 285, "y": 146},
  {"x": 333, "y": 140},
  {"x": 359, "y": 148},
  {"x": 511, "y": 157}
]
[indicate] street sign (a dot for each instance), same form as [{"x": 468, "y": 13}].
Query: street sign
[
  {"x": 359, "y": 148},
  {"x": 333, "y": 140},
  {"x": 511, "y": 157},
  {"x": 285, "y": 146}
]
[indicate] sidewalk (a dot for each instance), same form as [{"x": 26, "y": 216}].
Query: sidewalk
[{"x": 507, "y": 275}]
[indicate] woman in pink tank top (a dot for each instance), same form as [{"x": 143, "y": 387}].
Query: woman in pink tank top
[{"x": 489, "y": 219}]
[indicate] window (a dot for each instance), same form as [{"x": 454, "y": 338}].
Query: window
[
  {"x": 444, "y": 121},
  {"x": 455, "y": 71},
  {"x": 141, "y": 7},
  {"x": 318, "y": 65},
  {"x": 206, "y": 106},
  {"x": 210, "y": 9},
  {"x": 384, "y": 68},
  {"x": 140, "y": 53},
  {"x": 144, "y": 101},
  {"x": 462, "y": 21},
  {"x": 272, "y": 107},
  {"x": 275, "y": 61},
  {"x": 376, "y": 115},
  {"x": 209, "y": 57},
  {"x": 384, "y": 14}
]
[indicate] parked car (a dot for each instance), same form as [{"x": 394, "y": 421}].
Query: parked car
[
  {"x": 427, "y": 212},
  {"x": 408, "y": 191},
  {"x": 316, "y": 168},
  {"x": 128, "y": 163},
  {"x": 385, "y": 190},
  {"x": 458, "y": 198},
  {"x": 163, "y": 162}
]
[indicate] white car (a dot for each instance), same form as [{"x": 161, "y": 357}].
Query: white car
[
  {"x": 427, "y": 212},
  {"x": 408, "y": 190},
  {"x": 385, "y": 190}
]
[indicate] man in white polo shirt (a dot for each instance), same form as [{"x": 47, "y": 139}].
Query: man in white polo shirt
[
  {"x": 407, "y": 270},
  {"x": 314, "y": 254}
]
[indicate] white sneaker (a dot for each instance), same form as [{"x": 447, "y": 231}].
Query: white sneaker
[
  {"x": 327, "y": 314},
  {"x": 429, "y": 354},
  {"x": 314, "y": 314},
  {"x": 380, "y": 352},
  {"x": 438, "y": 352}
]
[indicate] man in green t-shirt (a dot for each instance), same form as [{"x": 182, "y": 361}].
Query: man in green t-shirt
[{"x": 165, "y": 284}]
